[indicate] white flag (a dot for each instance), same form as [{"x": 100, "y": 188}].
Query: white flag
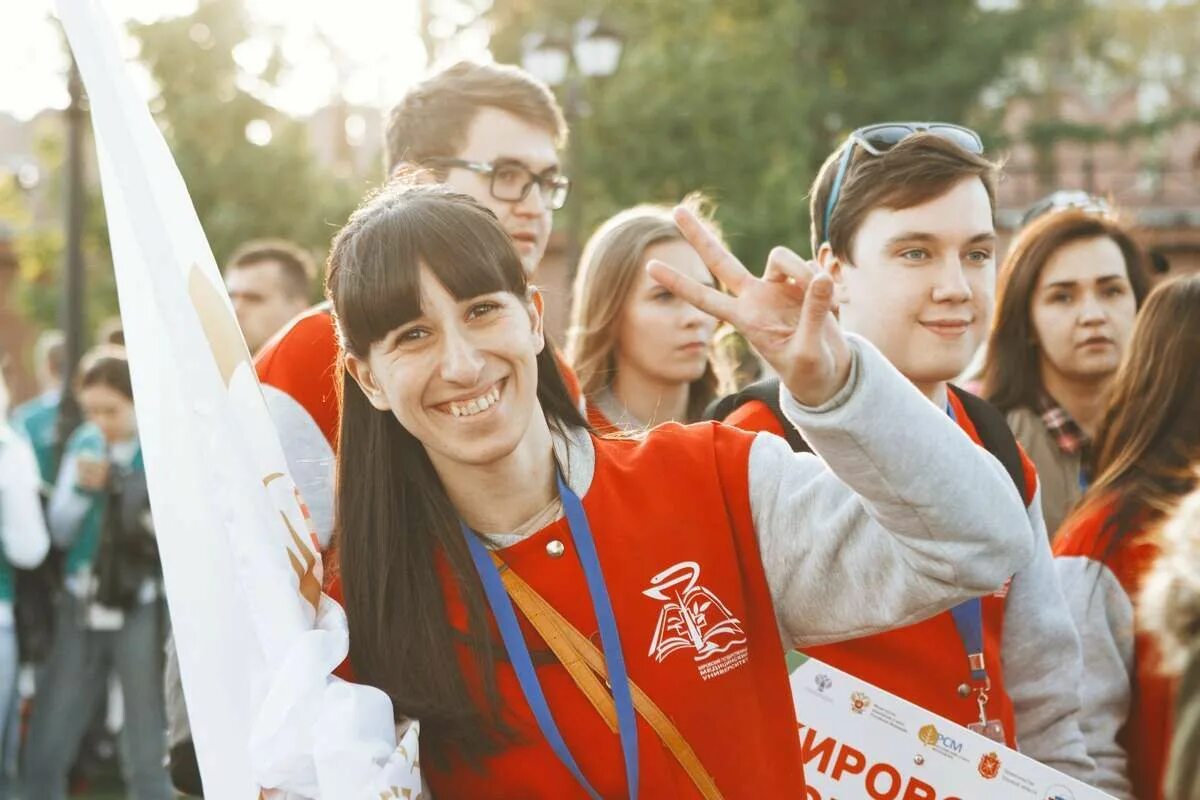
[{"x": 257, "y": 640}]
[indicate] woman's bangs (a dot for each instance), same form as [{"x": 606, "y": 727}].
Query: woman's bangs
[{"x": 468, "y": 253}]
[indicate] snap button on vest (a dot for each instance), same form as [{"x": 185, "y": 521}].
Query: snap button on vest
[{"x": 555, "y": 548}]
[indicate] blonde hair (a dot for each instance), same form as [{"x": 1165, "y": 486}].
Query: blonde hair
[{"x": 608, "y": 271}]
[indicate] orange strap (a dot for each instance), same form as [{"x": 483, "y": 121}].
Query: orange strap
[{"x": 574, "y": 649}]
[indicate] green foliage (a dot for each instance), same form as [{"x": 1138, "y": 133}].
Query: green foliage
[
  {"x": 746, "y": 99},
  {"x": 240, "y": 190}
]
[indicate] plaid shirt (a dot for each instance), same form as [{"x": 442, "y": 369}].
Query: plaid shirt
[{"x": 1066, "y": 432}]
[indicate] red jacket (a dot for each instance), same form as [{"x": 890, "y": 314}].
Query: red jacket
[
  {"x": 924, "y": 663},
  {"x": 1146, "y": 736},
  {"x": 678, "y": 501}
]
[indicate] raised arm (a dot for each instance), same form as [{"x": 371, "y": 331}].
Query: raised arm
[
  {"x": 902, "y": 515},
  {"x": 897, "y": 517}
]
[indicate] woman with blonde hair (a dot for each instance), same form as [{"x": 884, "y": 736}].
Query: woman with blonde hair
[
  {"x": 642, "y": 354},
  {"x": 1147, "y": 446}
]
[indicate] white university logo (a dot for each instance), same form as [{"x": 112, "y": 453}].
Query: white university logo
[{"x": 692, "y": 618}]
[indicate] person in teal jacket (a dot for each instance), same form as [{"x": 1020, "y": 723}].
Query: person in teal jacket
[
  {"x": 111, "y": 618},
  {"x": 38, "y": 418}
]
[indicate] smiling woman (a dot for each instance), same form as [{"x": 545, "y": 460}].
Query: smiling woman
[{"x": 470, "y": 490}]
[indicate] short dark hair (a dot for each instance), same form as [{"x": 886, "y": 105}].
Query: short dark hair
[
  {"x": 915, "y": 171},
  {"x": 295, "y": 264},
  {"x": 431, "y": 120},
  {"x": 106, "y": 365}
]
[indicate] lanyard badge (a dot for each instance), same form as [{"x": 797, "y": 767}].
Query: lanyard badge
[
  {"x": 968, "y": 619},
  {"x": 522, "y": 662}
]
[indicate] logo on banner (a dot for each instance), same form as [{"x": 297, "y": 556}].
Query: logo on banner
[
  {"x": 859, "y": 702},
  {"x": 694, "y": 619},
  {"x": 1058, "y": 793},
  {"x": 823, "y": 682},
  {"x": 989, "y": 765},
  {"x": 928, "y": 735}
]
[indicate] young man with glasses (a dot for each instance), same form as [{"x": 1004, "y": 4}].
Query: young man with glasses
[
  {"x": 902, "y": 220},
  {"x": 490, "y": 131}
]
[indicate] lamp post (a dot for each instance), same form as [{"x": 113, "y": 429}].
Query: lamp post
[
  {"x": 71, "y": 312},
  {"x": 566, "y": 60}
]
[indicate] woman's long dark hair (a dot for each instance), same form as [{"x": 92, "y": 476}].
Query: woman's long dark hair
[
  {"x": 1012, "y": 376},
  {"x": 394, "y": 522},
  {"x": 1148, "y": 445}
]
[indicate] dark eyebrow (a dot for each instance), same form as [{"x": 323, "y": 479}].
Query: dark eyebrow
[
  {"x": 1072, "y": 284},
  {"x": 918, "y": 236}
]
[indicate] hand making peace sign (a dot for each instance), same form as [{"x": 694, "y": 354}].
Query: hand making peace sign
[{"x": 787, "y": 315}]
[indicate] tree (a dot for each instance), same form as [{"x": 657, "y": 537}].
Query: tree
[
  {"x": 242, "y": 189},
  {"x": 745, "y": 99}
]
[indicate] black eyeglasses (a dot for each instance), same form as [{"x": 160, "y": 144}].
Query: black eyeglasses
[
  {"x": 1067, "y": 198},
  {"x": 878, "y": 139},
  {"x": 511, "y": 180}
]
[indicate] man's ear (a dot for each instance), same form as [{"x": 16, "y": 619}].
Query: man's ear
[
  {"x": 536, "y": 305},
  {"x": 362, "y": 375},
  {"x": 833, "y": 265}
]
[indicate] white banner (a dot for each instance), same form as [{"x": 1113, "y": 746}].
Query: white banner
[
  {"x": 256, "y": 638},
  {"x": 858, "y": 741}
]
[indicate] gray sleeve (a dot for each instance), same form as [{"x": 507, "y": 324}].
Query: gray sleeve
[
  {"x": 309, "y": 457},
  {"x": 897, "y": 517},
  {"x": 1043, "y": 667},
  {"x": 1103, "y": 614},
  {"x": 68, "y": 504}
]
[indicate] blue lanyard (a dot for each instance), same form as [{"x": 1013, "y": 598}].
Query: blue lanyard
[
  {"x": 968, "y": 617},
  {"x": 518, "y": 650}
]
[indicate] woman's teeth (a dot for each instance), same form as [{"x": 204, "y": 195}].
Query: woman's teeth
[{"x": 471, "y": 407}]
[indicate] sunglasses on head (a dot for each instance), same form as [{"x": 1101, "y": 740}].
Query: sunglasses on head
[
  {"x": 880, "y": 138},
  {"x": 1063, "y": 199}
]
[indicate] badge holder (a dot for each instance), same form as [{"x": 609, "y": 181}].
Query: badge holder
[{"x": 991, "y": 728}]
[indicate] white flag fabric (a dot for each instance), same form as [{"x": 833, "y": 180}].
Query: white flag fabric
[{"x": 257, "y": 640}]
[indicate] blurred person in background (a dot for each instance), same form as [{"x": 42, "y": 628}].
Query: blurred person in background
[
  {"x": 38, "y": 418},
  {"x": 112, "y": 617},
  {"x": 643, "y": 355},
  {"x": 1147, "y": 446},
  {"x": 1066, "y": 299},
  {"x": 25, "y": 543},
  {"x": 1170, "y": 612},
  {"x": 269, "y": 283}
]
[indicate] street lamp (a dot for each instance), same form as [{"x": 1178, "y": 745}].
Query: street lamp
[{"x": 566, "y": 59}]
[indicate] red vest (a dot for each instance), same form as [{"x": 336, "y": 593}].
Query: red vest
[
  {"x": 301, "y": 361},
  {"x": 1146, "y": 736},
  {"x": 924, "y": 663},
  {"x": 705, "y": 646},
  {"x": 601, "y": 425}
]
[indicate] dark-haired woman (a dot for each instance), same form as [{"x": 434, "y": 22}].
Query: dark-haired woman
[
  {"x": 1147, "y": 449},
  {"x": 675, "y": 568},
  {"x": 112, "y": 618},
  {"x": 1066, "y": 299}
]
